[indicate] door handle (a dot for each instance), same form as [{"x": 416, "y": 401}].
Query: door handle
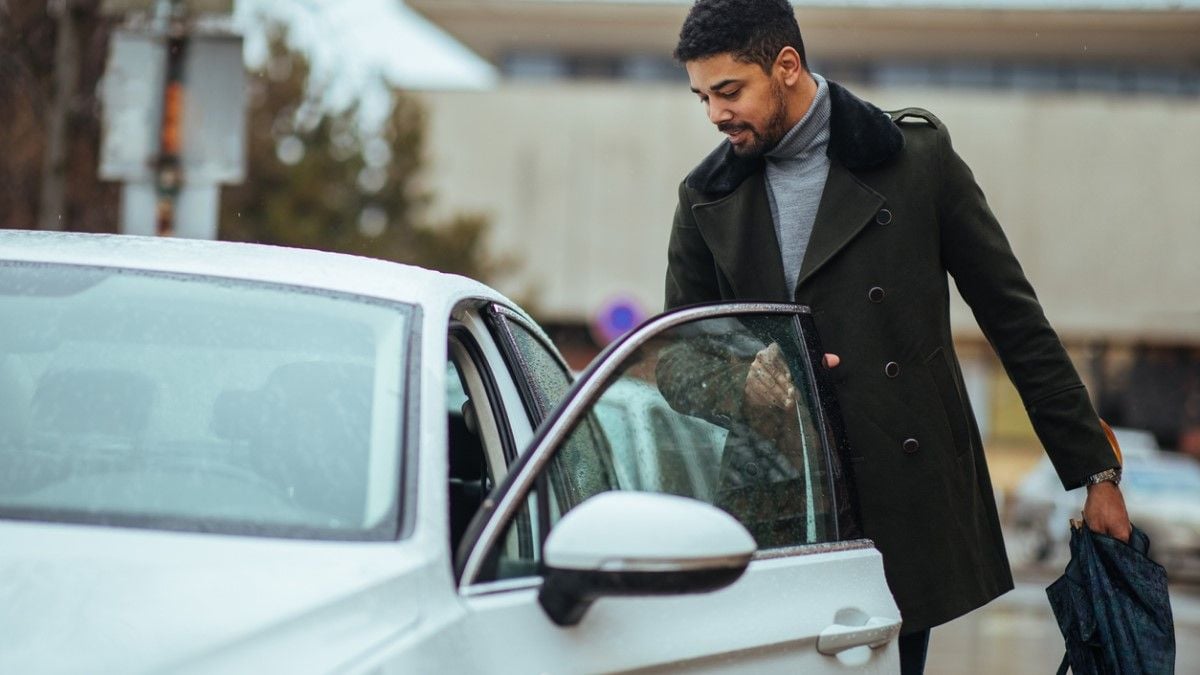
[{"x": 876, "y": 632}]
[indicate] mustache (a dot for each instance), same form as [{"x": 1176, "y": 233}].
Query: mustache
[{"x": 730, "y": 127}]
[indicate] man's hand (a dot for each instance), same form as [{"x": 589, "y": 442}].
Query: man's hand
[
  {"x": 770, "y": 393},
  {"x": 769, "y": 382},
  {"x": 1104, "y": 511}
]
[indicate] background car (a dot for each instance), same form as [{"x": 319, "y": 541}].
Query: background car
[
  {"x": 661, "y": 446},
  {"x": 1162, "y": 494},
  {"x": 220, "y": 457}
]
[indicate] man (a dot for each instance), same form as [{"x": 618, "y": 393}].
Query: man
[{"x": 820, "y": 198}]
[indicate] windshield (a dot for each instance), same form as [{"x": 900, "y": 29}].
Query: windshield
[{"x": 190, "y": 403}]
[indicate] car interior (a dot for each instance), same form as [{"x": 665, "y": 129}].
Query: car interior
[
  {"x": 14, "y": 411},
  {"x": 68, "y": 419},
  {"x": 469, "y": 479},
  {"x": 82, "y": 401},
  {"x": 309, "y": 426},
  {"x": 470, "y": 430}
]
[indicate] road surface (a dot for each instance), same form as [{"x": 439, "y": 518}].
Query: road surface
[{"x": 1016, "y": 634}]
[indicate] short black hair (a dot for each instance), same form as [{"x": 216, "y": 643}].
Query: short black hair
[{"x": 752, "y": 31}]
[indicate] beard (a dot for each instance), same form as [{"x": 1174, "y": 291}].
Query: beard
[{"x": 762, "y": 142}]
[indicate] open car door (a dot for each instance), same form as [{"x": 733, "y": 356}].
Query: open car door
[{"x": 613, "y": 543}]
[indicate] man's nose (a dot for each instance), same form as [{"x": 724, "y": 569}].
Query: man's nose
[{"x": 718, "y": 113}]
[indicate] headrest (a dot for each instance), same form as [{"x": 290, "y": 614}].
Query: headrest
[{"x": 84, "y": 400}]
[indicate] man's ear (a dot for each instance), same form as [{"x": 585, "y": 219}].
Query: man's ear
[{"x": 788, "y": 65}]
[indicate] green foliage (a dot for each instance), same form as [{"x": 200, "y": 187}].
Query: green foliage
[{"x": 315, "y": 180}]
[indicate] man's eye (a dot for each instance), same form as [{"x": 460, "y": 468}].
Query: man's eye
[{"x": 730, "y": 95}]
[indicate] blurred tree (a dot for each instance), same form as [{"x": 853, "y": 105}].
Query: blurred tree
[
  {"x": 316, "y": 179},
  {"x": 51, "y": 131}
]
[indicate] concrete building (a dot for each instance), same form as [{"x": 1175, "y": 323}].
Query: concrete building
[{"x": 1081, "y": 121}]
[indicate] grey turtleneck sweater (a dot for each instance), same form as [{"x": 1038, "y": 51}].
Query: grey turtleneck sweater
[{"x": 796, "y": 171}]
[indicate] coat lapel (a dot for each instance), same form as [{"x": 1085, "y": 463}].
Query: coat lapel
[
  {"x": 846, "y": 207},
  {"x": 741, "y": 235},
  {"x": 738, "y": 226}
]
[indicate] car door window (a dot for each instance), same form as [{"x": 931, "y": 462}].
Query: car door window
[
  {"x": 535, "y": 364},
  {"x": 672, "y": 455},
  {"x": 683, "y": 416},
  {"x": 544, "y": 379}
]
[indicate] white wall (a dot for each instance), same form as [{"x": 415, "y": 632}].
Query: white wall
[{"x": 1098, "y": 194}]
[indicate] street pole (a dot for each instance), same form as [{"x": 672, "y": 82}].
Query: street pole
[
  {"x": 174, "y": 115},
  {"x": 169, "y": 167}
]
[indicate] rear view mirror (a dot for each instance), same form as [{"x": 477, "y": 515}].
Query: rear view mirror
[{"x": 636, "y": 543}]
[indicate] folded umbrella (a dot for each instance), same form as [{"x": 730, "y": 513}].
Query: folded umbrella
[{"x": 1112, "y": 606}]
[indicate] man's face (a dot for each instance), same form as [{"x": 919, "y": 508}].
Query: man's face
[{"x": 747, "y": 105}]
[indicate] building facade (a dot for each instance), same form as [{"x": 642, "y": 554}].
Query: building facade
[{"x": 1081, "y": 122}]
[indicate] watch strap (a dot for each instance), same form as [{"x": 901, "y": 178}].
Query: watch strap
[{"x": 1106, "y": 476}]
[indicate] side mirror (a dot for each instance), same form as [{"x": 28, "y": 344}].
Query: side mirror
[{"x": 638, "y": 543}]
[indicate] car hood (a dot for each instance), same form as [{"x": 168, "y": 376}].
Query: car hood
[{"x": 79, "y": 599}]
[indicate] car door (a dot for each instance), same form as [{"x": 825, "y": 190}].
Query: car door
[{"x": 812, "y": 600}]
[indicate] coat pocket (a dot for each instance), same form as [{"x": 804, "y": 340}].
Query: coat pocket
[{"x": 952, "y": 402}]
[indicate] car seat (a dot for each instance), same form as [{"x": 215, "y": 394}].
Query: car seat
[
  {"x": 85, "y": 402},
  {"x": 308, "y": 429},
  {"x": 468, "y": 470}
]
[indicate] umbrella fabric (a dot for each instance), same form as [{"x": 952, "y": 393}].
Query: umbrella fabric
[{"x": 1112, "y": 606}]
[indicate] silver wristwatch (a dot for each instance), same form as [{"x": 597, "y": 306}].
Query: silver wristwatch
[{"x": 1106, "y": 476}]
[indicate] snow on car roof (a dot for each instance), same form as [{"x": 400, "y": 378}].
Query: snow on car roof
[{"x": 254, "y": 262}]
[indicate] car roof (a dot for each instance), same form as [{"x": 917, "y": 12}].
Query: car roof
[{"x": 253, "y": 262}]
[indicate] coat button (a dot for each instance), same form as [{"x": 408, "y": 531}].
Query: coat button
[
  {"x": 911, "y": 445},
  {"x": 883, "y": 217},
  {"x": 875, "y": 294},
  {"x": 892, "y": 369}
]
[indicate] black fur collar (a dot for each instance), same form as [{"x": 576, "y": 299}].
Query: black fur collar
[{"x": 861, "y": 136}]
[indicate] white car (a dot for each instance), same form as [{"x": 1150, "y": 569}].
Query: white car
[
  {"x": 1162, "y": 495},
  {"x": 231, "y": 458},
  {"x": 659, "y": 449}
]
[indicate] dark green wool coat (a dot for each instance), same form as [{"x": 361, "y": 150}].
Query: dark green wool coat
[{"x": 899, "y": 213}]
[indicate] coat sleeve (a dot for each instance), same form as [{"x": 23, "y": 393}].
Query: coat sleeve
[
  {"x": 977, "y": 255},
  {"x": 691, "y": 271}
]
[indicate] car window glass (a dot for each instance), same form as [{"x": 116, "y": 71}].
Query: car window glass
[
  {"x": 612, "y": 416},
  {"x": 456, "y": 393},
  {"x": 676, "y": 475},
  {"x": 690, "y": 424},
  {"x": 190, "y": 403},
  {"x": 534, "y": 365},
  {"x": 585, "y": 468}
]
